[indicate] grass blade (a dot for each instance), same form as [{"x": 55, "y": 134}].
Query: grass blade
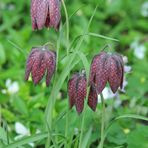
[
  {"x": 133, "y": 116},
  {"x": 27, "y": 140}
]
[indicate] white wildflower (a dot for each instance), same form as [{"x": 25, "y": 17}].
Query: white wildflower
[
  {"x": 127, "y": 69},
  {"x": 12, "y": 87},
  {"x": 107, "y": 94},
  {"x": 144, "y": 9},
  {"x": 139, "y": 49},
  {"x": 22, "y": 131}
]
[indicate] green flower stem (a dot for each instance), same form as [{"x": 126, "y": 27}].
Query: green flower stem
[
  {"x": 82, "y": 128},
  {"x": 67, "y": 25},
  {"x": 77, "y": 47},
  {"x": 102, "y": 122},
  {"x": 83, "y": 120},
  {"x": 0, "y": 116},
  {"x": 51, "y": 103},
  {"x": 67, "y": 37}
]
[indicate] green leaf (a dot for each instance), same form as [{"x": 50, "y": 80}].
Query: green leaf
[
  {"x": 3, "y": 136},
  {"x": 2, "y": 54},
  {"x": 56, "y": 88},
  {"x": 133, "y": 116},
  {"x": 27, "y": 140},
  {"x": 30, "y": 139},
  {"x": 20, "y": 105},
  {"x": 86, "y": 138},
  {"x": 9, "y": 116},
  {"x": 138, "y": 138},
  {"x": 85, "y": 62},
  {"x": 116, "y": 135},
  {"x": 102, "y": 36}
]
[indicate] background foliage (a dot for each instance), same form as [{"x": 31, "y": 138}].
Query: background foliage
[{"x": 23, "y": 103}]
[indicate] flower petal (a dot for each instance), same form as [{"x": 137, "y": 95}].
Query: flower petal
[
  {"x": 54, "y": 12},
  {"x": 50, "y": 65},
  {"x": 30, "y": 62},
  {"x": 102, "y": 72},
  {"x": 121, "y": 63},
  {"x": 41, "y": 14},
  {"x": 33, "y": 10},
  {"x": 92, "y": 98},
  {"x": 81, "y": 89},
  {"x": 116, "y": 73},
  {"x": 39, "y": 10},
  {"x": 93, "y": 68},
  {"x": 38, "y": 68},
  {"x": 71, "y": 90}
]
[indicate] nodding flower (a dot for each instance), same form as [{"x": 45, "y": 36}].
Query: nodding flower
[
  {"x": 41, "y": 61},
  {"x": 77, "y": 88},
  {"x": 105, "y": 67},
  {"x": 45, "y": 13}
]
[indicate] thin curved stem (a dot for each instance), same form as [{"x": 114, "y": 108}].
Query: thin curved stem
[
  {"x": 67, "y": 25},
  {"x": 102, "y": 122},
  {"x": 67, "y": 49}
]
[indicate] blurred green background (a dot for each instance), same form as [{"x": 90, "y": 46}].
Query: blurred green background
[{"x": 22, "y": 104}]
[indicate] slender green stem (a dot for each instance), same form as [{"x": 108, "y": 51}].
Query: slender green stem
[
  {"x": 83, "y": 119},
  {"x": 67, "y": 48},
  {"x": 102, "y": 122},
  {"x": 51, "y": 102},
  {"x": 77, "y": 47},
  {"x": 82, "y": 127},
  {"x": 67, "y": 25},
  {"x": 0, "y": 116},
  {"x": 50, "y": 105}
]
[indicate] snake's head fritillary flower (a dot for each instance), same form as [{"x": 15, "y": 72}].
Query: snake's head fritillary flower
[
  {"x": 45, "y": 13},
  {"x": 77, "y": 88},
  {"x": 105, "y": 67},
  {"x": 41, "y": 61}
]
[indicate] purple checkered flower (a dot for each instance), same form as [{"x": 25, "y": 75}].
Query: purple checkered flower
[
  {"x": 45, "y": 13},
  {"x": 40, "y": 61}
]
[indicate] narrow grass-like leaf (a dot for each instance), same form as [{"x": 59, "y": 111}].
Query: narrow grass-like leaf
[
  {"x": 27, "y": 140},
  {"x": 30, "y": 139},
  {"x": 92, "y": 35},
  {"x": 85, "y": 62},
  {"x": 102, "y": 36},
  {"x": 133, "y": 116},
  {"x": 77, "y": 47},
  {"x": 59, "y": 84},
  {"x": 86, "y": 138},
  {"x": 18, "y": 48}
]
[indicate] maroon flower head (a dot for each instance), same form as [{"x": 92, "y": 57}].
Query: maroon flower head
[
  {"x": 45, "y": 13},
  {"x": 77, "y": 87},
  {"x": 40, "y": 61},
  {"x": 107, "y": 67}
]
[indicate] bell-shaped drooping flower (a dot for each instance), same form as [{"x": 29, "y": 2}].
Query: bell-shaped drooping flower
[
  {"x": 77, "y": 88},
  {"x": 105, "y": 67},
  {"x": 41, "y": 61},
  {"x": 45, "y": 13}
]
